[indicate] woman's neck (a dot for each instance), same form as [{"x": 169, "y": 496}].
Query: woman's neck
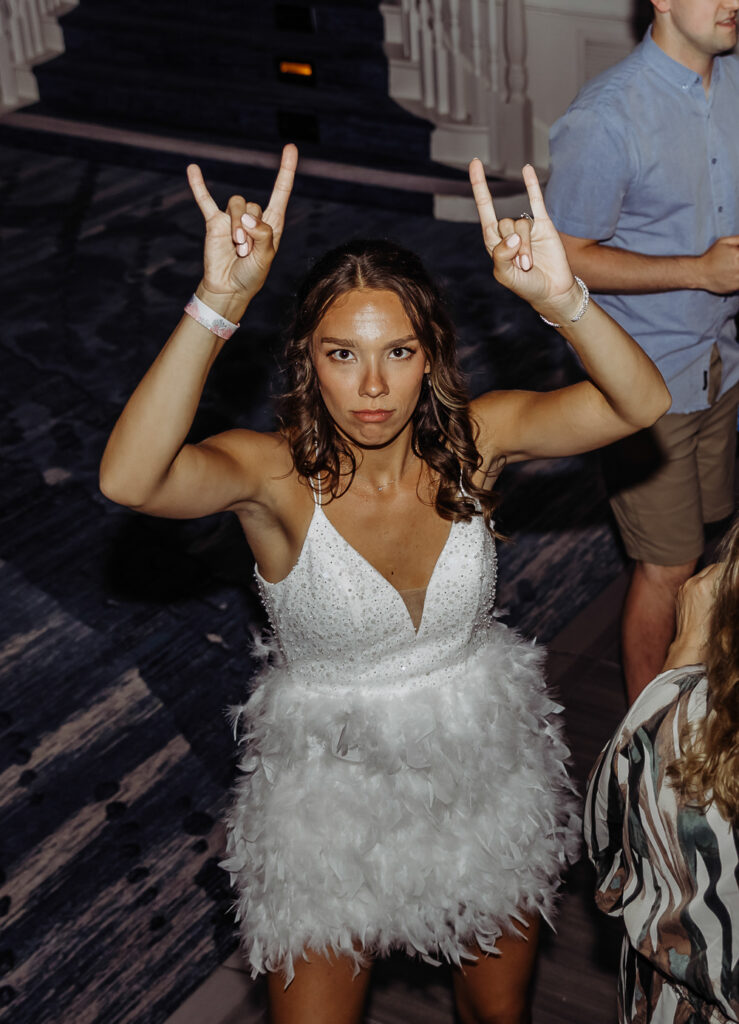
[{"x": 389, "y": 466}]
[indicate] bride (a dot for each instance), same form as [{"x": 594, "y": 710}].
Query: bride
[{"x": 402, "y": 780}]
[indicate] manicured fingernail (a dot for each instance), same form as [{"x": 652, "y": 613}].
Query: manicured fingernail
[
  {"x": 242, "y": 250},
  {"x": 240, "y": 235},
  {"x": 525, "y": 262},
  {"x": 512, "y": 240},
  {"x": 248, "y": 220}
]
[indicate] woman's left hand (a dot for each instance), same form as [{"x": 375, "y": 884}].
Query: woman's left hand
[{"x": 528, "y": 257}]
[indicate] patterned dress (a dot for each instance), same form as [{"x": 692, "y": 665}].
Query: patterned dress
[{"x": 670, "y": 869}]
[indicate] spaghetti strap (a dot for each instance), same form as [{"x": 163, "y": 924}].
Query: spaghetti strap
[{"x": 316, "y": 488}]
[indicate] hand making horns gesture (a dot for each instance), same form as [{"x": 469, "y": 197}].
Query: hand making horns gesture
[
  {"x": 528, "y": 256},
  {"x": 241, "y": 242}
]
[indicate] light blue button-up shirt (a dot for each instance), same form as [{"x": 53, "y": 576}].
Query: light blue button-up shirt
[{"x": 643, "y": 160}]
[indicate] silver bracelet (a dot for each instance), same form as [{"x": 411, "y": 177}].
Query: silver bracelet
[
  {"x": 209, "y": 318},
  {"x": 583, "y": 305}
]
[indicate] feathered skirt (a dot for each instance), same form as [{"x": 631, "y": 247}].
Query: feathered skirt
[{"x": 418, "y": 817}]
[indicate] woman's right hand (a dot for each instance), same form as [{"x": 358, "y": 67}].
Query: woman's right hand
[{"x": 241, "y": 242}]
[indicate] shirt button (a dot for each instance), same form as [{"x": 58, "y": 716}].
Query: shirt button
[
  {"x": 713, "y": 161},
  {"x": 720, "y": 209}
]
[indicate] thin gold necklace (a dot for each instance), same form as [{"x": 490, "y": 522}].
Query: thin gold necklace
[{"x": 388, "y": 483}]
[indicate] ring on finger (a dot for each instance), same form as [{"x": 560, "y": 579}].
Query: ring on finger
[{"x": 525, "y": 216}]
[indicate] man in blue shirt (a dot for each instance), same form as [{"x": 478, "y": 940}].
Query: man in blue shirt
[{"x": 645, "y": 191}]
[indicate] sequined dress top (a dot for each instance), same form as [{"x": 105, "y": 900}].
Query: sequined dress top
[{"x": 398, "y": 789}]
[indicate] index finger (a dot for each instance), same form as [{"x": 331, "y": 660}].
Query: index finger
[
  {"x": 203, "y": 198},
  {"x": 536, "y": 199},
  {"x": 483, "y": 199},
  {"x": 274, "y": 215}
]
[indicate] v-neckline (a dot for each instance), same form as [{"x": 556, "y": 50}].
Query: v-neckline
[{"x": 318, "y": 509}]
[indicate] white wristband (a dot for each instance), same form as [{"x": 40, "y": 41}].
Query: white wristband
[
  {"x": 208, "y": 317},
  {"x": 583, "y": 305}
]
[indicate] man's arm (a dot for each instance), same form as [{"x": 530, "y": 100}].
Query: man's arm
[{"x": 607, "y": 269}]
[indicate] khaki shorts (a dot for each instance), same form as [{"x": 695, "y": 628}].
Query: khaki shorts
[{"x": 666, "y": 482}]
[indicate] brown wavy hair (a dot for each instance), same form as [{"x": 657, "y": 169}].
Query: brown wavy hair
[
  {"x": 442, "y": 437},
  {"x": 708, "y": 769}
]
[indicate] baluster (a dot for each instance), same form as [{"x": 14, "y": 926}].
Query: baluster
[
  {"x": 489, "y": 91},
  {"x": 493, "y": 46},
  {"x": 405, "y": 17},
  {"x": 515, "y": 47},
  {"x": 441, "y": 60},
  {"x": 15, "y": 31},
  {"x": 414, "y": 31},
  {"x": 474, "y": 8},
  {"x": 517, "y": 122},
  {"x": 35, "y": 35},
  {"x": 427, "y": 55},
  {"x": 459, "y": 97},
  {"x": 8, "y": 85}
]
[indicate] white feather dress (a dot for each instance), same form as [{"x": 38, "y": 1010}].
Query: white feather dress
[{"x": 399, "y": 790}]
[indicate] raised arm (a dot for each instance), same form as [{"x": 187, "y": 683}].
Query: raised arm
[
  {"x": 608, "y": 269},
  {"x": 146, "y": 464},
  {"x": 625, "y": 391}
]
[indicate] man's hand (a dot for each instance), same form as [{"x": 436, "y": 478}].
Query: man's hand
[{"x": 719, "y": 266}]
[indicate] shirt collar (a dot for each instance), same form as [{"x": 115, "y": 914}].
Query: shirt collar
[{"x": 672, "y": 70}]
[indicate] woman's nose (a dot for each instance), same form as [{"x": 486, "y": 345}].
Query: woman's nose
[{"x": 373, "y": 382}]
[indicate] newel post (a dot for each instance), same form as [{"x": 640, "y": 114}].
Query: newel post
[{"x": 516, "y": 141}]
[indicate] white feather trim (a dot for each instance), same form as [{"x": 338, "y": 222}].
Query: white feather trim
[{"x": 423, "y": 818}]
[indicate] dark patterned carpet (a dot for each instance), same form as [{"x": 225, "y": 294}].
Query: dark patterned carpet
[{"x": 124, "y": 638}]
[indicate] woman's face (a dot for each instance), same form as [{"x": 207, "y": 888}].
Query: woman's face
[{"x": 369, "y": 364}]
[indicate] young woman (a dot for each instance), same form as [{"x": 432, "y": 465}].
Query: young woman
[
  {"x": 403, "y": 781},
  {"x": 662, "y": 817}
]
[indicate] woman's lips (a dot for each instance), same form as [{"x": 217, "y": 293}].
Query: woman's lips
[{"x": 372, "y": 415}]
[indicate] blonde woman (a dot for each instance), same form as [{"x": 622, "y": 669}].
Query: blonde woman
[{"x": 662, "y": 817}]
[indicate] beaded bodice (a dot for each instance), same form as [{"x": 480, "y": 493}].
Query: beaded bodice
[{"x": 338, "y": 621}]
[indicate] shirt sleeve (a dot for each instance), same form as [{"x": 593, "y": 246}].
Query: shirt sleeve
[
  {"x": 591, "y": 169},
  {"x": 603, "y": 824}
]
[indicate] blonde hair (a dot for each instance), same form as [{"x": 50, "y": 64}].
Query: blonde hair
[{"x": 708, "y": 769}]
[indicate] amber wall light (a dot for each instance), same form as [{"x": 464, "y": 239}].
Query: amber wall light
[{"x": 300, "y": 69}]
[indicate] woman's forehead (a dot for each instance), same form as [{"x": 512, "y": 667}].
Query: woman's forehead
[{"x": 364, "y": 311}]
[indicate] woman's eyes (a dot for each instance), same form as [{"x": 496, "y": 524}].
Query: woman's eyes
[{"x": 345, "y": 355}]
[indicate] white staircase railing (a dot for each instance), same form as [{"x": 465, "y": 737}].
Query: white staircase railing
[
  {"x": 462, "y": 64},
  {"x": 493, "y": 75},
  {"x": 29, "y": 35}
]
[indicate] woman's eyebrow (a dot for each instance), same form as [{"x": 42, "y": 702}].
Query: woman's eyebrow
[{"x": 348, "y": 343}]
